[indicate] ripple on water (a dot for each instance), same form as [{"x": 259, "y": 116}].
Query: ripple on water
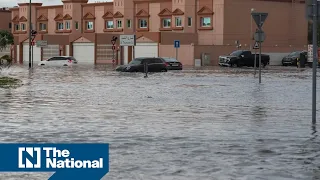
[{"x": 214, "y": 124}]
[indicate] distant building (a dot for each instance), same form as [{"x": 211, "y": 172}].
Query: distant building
[
  {"x": 205, "y": 28},
  {"x": 5, "y": 16}
]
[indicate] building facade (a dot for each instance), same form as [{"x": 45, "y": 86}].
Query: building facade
[{"x": 85, "y": 30}]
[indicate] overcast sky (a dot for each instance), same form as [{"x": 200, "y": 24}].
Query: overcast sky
[{"x": 10, "y": 3}]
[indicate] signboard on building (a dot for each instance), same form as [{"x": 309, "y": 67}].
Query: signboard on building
[
  {"x": 127, "y": 40},
  {"x": 42, "y": 43}
]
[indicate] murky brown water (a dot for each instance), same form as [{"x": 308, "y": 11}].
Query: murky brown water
[{"x": 171, "y": 126}]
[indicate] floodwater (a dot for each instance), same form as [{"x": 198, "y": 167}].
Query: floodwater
[{"x": 216, "y": 124}]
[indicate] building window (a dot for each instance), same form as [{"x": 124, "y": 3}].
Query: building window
[
  {"x": 143, "y": 23},
  {"x": 59, "y": 26},
  {"x": 17, "y": 27},
  {"x": 166, "y": 23},
  {"x": 178, "y": 22},
  {"x": 42, "y": 27},
  {"x": 10, "y": 25},
  {"x": 119, "y": 24},
  {"x": 77, "y": 25},
  {"x": 109, "y": 24},
  {"x": 189, "y": 21},
  {"x": 90, "y": 25},
  {"x": 129, "y": 23},
  {"x": 68, "y": 25},
  {"x": 205, "y": 22},
  {"x": 23, "y": 26}
]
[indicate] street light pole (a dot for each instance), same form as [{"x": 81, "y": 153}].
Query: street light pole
[
  {"x": 315, "y": 61},
  {"x": 30, "y": 24},
  {"x": 251, "y": 35}
]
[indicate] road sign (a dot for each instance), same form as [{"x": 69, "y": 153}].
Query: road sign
[
  {"x": 42, "y": 43},
  {"x": 176, "y": 44},
  {"x": 256, "y": 45},
  {"x": 127, "y": 40},
  {"x": 114, "y": 40},
  {"x": 259, "y": 36},
  {"x": 309, "y": 9},
  {"x": 259, "y": 18}
]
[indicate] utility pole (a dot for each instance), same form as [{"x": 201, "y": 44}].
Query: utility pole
[
  {"x": 315, "y": 61},
  {"x": 30, "y": 28}
]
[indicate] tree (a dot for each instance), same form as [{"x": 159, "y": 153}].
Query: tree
[{"x": 6, "y": 39}]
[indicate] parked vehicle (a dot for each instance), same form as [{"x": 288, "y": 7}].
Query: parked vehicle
[
  {"x": 292, "y": 58},
  {"x": 240, "y": 58},
  {"x": 137, "y": 65},
  {"x": 59, "y": 61},
  {"x": 172, "y": 63}
]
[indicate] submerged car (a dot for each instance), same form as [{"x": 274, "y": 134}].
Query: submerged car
[
  {"x": 172, "y": 63},
  {"x": 292, "y": 58},
  {"x": 137, "y": 65},
  {"x": 59, "y": 61}
]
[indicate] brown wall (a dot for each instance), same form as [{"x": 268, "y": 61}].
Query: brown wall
[
  {"x": 286, "y": 23},
  {"x": 5, "y": 20},
  {"x": 185, "y": 38}
]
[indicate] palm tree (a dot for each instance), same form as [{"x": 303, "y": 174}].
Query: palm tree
[{"x": 6, "y": 39}]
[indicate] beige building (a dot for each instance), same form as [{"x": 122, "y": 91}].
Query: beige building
[{"x": 202, "y": 26}]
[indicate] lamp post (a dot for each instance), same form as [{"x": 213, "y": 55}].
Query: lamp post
[{"x": 251, "y": 36}]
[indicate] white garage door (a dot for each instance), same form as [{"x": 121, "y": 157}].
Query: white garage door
[
  {"x": 36, "y": 53},
  {"x": 84, "y": 52},
  {"x": 50, "y": 51},
  {"x": 146, "y": 50}
]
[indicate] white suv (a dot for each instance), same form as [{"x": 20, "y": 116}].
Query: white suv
[{"x": 59, "y": 61}]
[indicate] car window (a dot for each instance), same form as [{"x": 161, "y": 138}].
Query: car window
[
  {"x": 236, "y": 53},
  {"x": 170, "y": 60},
  {"x": 246, "y": 53},
  {"x": 157, "y": 60},
  {"x": 151, "y": 61},
  {"x": 136, "y": 62}
]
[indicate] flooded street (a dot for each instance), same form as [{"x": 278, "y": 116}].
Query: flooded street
[{"x": 214, "y": 124}]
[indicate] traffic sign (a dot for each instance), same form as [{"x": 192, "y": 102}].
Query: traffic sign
[
  {"x": 176, "y": 44},
  {"x": 42, "y": 43},
  {"x": 256, "y": 45},
  {"x": 259, "y": 18},
  {"x": 259, "y": 36}
]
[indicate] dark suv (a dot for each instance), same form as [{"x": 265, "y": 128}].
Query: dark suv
[{"x": 137, "y": 65}]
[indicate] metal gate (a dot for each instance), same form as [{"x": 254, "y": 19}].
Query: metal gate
[{"x": 50, "y": 51}]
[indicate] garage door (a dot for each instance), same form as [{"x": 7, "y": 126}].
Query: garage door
[
  {"x": 84, "y": 52},
  {"x": 36, "y": 53},
  {"x": 50, "y": 51},
  {"x": 146, "y": 50}
]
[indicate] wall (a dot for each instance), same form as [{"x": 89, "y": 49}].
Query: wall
[
  {"x": 5, "y": 20},
  {"x": 276, "y": 53},
  {"x": 185, "y": 53},
  {"x": 286, "y": 23},
  {"x": 213, "y": 51}
]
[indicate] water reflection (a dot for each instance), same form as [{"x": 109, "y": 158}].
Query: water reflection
[{"x": 171, "y": 125}]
